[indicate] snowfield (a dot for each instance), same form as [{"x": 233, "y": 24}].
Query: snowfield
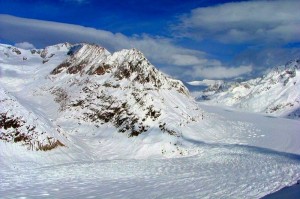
[
  {"x": 215, "y": 171},
  {"x": 127, "y": 131}
]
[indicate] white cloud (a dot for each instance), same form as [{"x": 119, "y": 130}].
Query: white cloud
[
  {"x": 219, "y": 72},
  {"x": 267, "y": 57},
  {"x": 249, "y": 21},
  {"x": 186, "y": 60},
  {"x": 24, "y": 45},
  {"x": 160, "y": 51}
]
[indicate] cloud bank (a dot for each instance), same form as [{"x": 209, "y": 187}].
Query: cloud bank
[
  {"x": 46, "y": 33},
  {"x": 24, "y": 45},
  {"x": 172, "y": 58},
  {"x": 217, "y": 72},
  {"x": 250, "y": 21}
]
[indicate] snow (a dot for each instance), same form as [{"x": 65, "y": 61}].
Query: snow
[
  {"x": 216, "y": 170},
  {"x": 260, "y": 130},
  {"x": 31, "y": 128},
  {"x": 206, "y": 151},
  {"x": 277, "y": 93}
]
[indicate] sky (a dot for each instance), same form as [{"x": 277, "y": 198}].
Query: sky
[{"x": 189, "y": 40}]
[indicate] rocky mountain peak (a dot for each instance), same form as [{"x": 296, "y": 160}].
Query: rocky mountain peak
[
  {"x": 87, "y": 86},
  {"x": 82, "y": 58},
  {"x": 128, "y": 64},
  {"x": 123, "y": 89}
]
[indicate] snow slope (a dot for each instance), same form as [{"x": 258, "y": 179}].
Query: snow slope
[
  {"x": 104, "y": 102},
  {"x": 277, "y": 93},
  {"x": 216, "y": 171},
  {"x": 107, "y": 102},
  {"x": 19, "y": 125},
  {"x": 127, "y": 130}
]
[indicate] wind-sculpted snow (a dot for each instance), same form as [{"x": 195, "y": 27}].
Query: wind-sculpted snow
[
  {"x": 216, "y": 172},
  {"x": 277, "y": 93}
]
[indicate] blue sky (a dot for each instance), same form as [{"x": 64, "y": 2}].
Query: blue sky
[{"x": 190, "y": 40}]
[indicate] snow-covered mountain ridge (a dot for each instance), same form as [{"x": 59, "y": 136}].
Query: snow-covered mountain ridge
[
  {"x": 111, "y": 123},
  {"x": 276, "y": 93},
  {"x": 123, "y": 89},
  {"x": 103, "y": 103},
  {"x": 125, "y": 64},
  {"x": 83, "y": 88}
]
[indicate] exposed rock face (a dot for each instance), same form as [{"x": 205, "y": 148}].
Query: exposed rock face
[
  {"x": 82, "y": 56},
  {"x": 18, "y": 125},
  {"x": 85, "y": 89},
  {"x": 123, "y": 89},
  {"x": 17, "y": 51},
  {"x": 125, "y": 64}
]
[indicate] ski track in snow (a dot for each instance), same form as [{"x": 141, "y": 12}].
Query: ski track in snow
[{"x": 216, "y": 172}]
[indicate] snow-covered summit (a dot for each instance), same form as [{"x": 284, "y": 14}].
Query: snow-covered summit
[
  {"x": 85, "y": 89},
  {"x": 128, "y": 64},
  {"x": 276, "y": 93},
  {"x": 122, "y": 88}
]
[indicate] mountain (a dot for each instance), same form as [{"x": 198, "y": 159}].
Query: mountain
[
  {"x": 79, "y": 121},
  {"x": 123, "y": 89},
  {"x": 85, "y": 91},
  {"x": 20, "y": 125},
  {"x": 277, "y": 93},
  {"x": 95, "y": 104}
]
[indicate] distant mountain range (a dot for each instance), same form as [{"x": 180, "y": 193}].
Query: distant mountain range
[{"x": 277, "y": 93}]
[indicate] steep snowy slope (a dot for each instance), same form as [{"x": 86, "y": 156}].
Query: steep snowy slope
[
  {"x": 277, "y": 93},
  {"x": 19, "y": 122},
  {"x": 104, "y": 115},
  {"x": 19, "y": 125},
  {"x": 115, "y": 105},
  {"x": 94, "y": 96},
  {"x": 123, "y": 89}
]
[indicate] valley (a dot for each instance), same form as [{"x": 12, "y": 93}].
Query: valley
[{"x": 78, "y": 121}]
